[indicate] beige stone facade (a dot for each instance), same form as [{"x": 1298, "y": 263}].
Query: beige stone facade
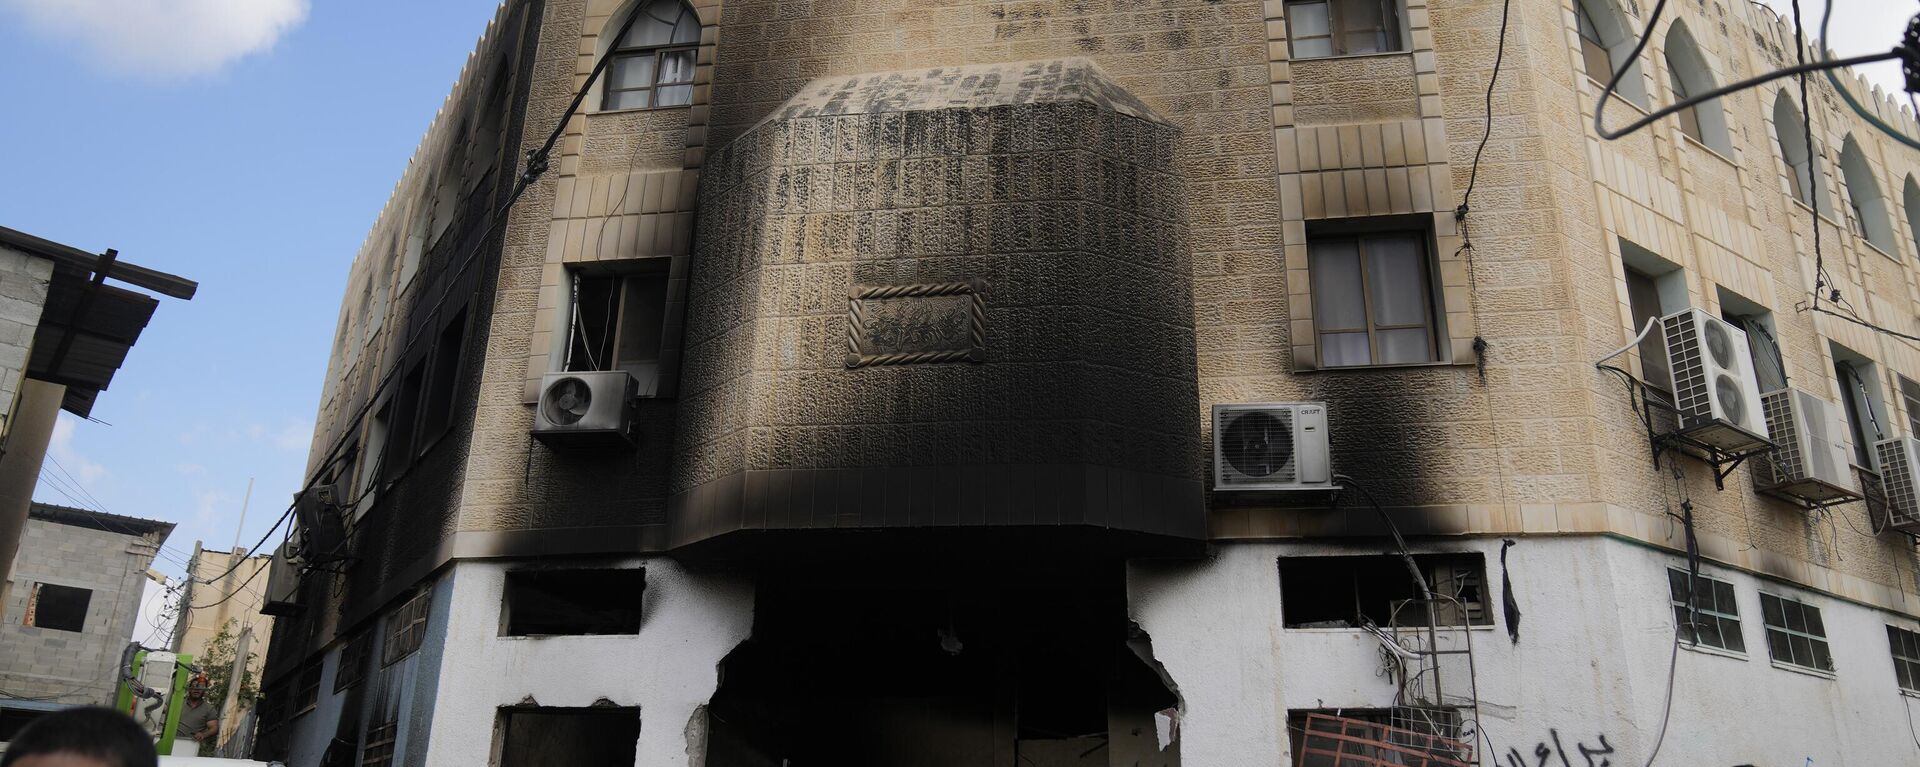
[
  {"x": 231, "y": 587},
  {"x": 1507, "y": 430}
]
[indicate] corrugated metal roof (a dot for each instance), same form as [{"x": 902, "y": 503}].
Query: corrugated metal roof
[{"x": 100, "y": 520}]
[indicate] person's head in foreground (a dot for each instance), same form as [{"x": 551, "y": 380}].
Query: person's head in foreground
[{"x": 81, "y": 737}]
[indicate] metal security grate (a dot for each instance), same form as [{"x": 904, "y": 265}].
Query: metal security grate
[{"x": 1337, "y": 741}]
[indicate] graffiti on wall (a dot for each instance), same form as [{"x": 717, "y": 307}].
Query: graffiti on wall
[{"x": 1553, "y": 752}]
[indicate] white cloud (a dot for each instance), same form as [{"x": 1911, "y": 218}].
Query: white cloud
[
  {"x": 164, "y": 38},
  {"x": 63, "y": 451}
]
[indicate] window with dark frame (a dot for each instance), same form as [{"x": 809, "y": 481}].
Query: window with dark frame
[
  {"x": 1715, "y": 618},
  {"x": 353, "y": 662},
  {"x": 1690, "y": 116},
  {"x": 535, "y": 737},
  {"x": 1323, "y": 28},
  {"x": 400, "y": 414},
  {"x": 443, "y": 381},
  {"x": 407, "y": 628},
  {"x": 1861, "y": 421},
  {"x": 1373, "y": 300},
  {"x": 1905, "y": 646},
  {"x": 616, "y": 322},
  {"x": 1795, "y": 634},
  {"x": 1347, "y": 591},
  {"x": 56, "y": 607},
  {"x": 653, "y": 65},
  {"x": 306, "y": 692},
  {"x": 1769, "y": 371}
]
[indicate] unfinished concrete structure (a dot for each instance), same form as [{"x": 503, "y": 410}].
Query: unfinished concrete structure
[
  {"x": 924, "y": 309},
  {"x": 66, "y": 627}
]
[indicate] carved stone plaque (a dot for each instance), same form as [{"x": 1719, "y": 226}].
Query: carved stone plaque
[{"x": 911, "y": 324}]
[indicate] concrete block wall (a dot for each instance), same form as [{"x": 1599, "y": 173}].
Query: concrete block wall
[
  {"x": 73, "y": 667},
  {"x": 23, "y": 292}
]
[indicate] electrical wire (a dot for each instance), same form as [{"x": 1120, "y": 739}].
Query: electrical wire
[
  {"x": 1653, "y": 19},
  {"x": 1499, "y": 55},
  {"x": 1846, "y": 94},
  {"x": 234, "y": 591}
]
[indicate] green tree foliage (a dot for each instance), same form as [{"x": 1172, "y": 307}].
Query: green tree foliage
[{"x": 218, "y": 663}]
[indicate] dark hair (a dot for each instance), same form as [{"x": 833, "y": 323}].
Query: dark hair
[{"x": 100, "y": 733}]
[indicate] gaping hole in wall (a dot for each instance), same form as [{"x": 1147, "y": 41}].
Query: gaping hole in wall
[
  {"x": 560, "y": 602},
  {"x": 1344, "y": 592},
  {"x": 600, "y": 736},
  {"x": 63, "y": 608},
  {"x": 941, "y": 669}
]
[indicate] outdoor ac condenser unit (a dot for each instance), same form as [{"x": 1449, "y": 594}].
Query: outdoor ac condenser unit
[
  {"x": 1899, "y": 463},
  {"x": 283, "y": 584},
  {"x": 584, "y": 409},
  {"x": 1714, "y": 388},
  {"x": 1271, "y": 446},
  {"x": 1811, "y": 459}
]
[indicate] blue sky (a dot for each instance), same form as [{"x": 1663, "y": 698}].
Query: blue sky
[{"x": 246, "y": 144}]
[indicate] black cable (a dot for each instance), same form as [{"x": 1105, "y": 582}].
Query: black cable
[
  {"x": 1653, "y": 19},
  {"x": 1499, "y": 55},
  {"x": 1907, "y": 54},
  {"x": 1406, "y": 554},
  {"x": 234, "y": 590},
  {"x": 1820, "y": 280}
]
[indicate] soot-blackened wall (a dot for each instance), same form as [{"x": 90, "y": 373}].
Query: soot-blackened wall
[{"x": 950, "y": 297}]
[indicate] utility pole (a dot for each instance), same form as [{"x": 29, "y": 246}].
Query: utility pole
[{"x": 244, "y": 499}]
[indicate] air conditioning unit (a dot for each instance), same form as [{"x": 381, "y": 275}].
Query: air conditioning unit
[
  {"x": 1900, "y": 478},
  {"x": 1271, "y": 446},
  {"x": 1714, "y": 388},
  {"x": 1811, "y": 460},
  {"x": 585, "y": 409},
  {"x": 283, "y": 584}
]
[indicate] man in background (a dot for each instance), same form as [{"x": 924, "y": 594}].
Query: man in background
[{"x": 199, "y": 722}]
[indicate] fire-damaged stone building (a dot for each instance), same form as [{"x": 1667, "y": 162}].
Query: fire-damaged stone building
[{"x": 1124, "y": 382}]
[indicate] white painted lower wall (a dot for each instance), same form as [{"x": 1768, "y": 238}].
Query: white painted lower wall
[
  {"x": 1592, "y": 662},
  {"x": 690, "y": 621}
]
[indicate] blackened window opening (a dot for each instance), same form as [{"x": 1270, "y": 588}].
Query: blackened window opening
[
  {"x": 563, "y": 602},
  {"x": 578, "y": 737},
  {"x": 1345, "y": 592},
  {"x": 62, "y": 608},
  {"x": 443, "y": 383},
  {"x": 401, "y": 415}
]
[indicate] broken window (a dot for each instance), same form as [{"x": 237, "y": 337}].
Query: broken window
[
  {"x": 579, "y": 737},
  {"x": 1402, "y": 737},
  {"x": 379, "y": 749},
  {"x": 1345, "y": 592},
  {"x": 61, "y": 608},
  {"x": 1714, "y": 620},
  {"x": 558, "y": 602},
  {"x": 407, "y": 628},
  {"x": 615, "y": 324},
  {"x": 1906, "y": 657},
  {"x": 1795, "y": 634}
]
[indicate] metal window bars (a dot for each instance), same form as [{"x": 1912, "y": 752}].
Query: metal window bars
[{"x": 1338, "y": 741}]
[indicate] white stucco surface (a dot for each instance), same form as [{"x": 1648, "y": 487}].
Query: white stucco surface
[
  {"x": 690, "y": 621},
  {"x": 1592, "y": 662}
]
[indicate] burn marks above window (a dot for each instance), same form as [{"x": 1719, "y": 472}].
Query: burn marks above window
[
  {"x": 920, "y": 323},
  {"x": 573, "y": 602}
]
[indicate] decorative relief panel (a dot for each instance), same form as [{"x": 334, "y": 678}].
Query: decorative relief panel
[{"x": 914, "y": 324}]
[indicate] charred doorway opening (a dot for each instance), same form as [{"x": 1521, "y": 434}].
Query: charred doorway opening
[{"x": 939, "y": 666}]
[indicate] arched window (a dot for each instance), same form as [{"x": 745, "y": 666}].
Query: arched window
[
  {"x": 1790, "y": 126},
  {"x": 653, "y": 65},
  {"x": 1911, "y": 200},
  {"x": 1689, "y": 74},
  {"x": 1866, "y": 206},
  {"x": 1605, "y": 41}
]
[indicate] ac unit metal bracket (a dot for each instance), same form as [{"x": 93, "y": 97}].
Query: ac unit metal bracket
[{"x": 1723, "y": 461}]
